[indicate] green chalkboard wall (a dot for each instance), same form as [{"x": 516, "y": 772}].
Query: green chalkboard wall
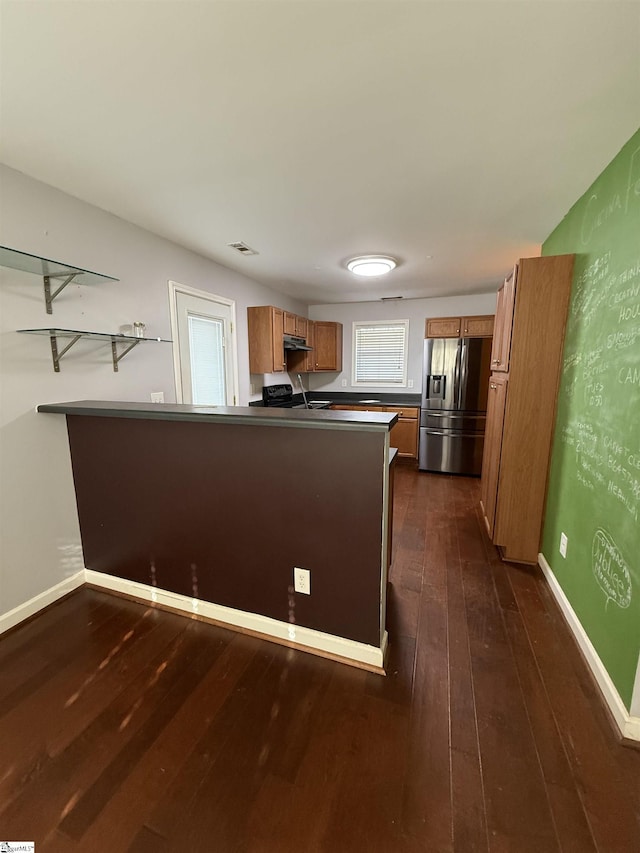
[{"x": 594, "y": 488}]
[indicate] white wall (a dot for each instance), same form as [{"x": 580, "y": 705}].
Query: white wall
[
  {"x": 39, "y": 536},
  {"x": 414, "y": 310}
]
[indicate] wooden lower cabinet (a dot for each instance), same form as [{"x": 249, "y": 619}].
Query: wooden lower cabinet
[
  {"x": 492, "y": 446},
  {"x": 404, "y": 433}
]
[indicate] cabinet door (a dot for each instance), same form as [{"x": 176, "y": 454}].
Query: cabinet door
[
  {"x": 327, "y": 345},
  {"x": 290, "y": 323},
  {"x": 503, "y": 324},
  {"x": 265, "y": 328},
  {"x": 404, "y": 433},
  {"x": 301, "y": 327},
  {"x": 404, "y": 436},
  {"x": 443, "y": 327},
  {"x": 492, "y": 448},
  {"x": 477, "y": 327},
  {"x": 310, "y": 357},
  {"x": 277, "y": 345}
]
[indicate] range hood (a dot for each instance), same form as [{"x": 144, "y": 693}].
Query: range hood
[{"x": 292, "y": 342}]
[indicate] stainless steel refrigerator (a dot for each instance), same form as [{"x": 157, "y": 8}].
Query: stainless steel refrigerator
[{"x": 455, "y": 385}]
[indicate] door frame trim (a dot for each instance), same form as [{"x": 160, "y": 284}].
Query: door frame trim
[{"x": 174, "y": 289}]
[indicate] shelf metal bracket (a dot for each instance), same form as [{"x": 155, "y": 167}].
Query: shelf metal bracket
[
  {"x": 48, "y": 296},
  {"x": 58, "y": 355},
  {"x": 119, "y": 356}
]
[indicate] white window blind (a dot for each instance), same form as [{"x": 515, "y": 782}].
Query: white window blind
[
  {"x": 380, "y": 353},
  {"x": 206, "y": 347}
]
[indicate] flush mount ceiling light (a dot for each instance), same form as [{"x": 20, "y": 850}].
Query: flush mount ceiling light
[{"x": 371, "y": 265}]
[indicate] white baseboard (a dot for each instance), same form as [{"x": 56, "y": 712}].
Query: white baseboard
[
  {"x": 629, "y": 725},
  {"x": 38, "y": 602},
  {"x": 297, "y": 636}
]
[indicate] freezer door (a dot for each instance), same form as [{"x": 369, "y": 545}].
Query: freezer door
[
  {"x": 460, "y": 421},
  {"x": 450, "y": 452},
  {"x": 441, "y": 372}
]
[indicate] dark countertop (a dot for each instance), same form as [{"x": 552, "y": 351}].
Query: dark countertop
[
  {"x": 309, "y": 418},
  {"x": 345, "y": 397}
]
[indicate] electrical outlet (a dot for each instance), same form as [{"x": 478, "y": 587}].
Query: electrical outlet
[
  {"x": 302, "y": 580},
  {"x": 157, "y": 396},
  {"x": 563, "y": 544},
  {"x": 409, "y": 383},
  {"x": 344, "y": 383}
]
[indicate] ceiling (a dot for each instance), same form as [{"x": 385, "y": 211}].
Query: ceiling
[{"x": 452, "y": 135}]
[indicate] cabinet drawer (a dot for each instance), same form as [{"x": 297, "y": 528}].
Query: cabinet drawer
[
  {"x": 353, "y": 407},
  {"x": 407, "y": 412}
]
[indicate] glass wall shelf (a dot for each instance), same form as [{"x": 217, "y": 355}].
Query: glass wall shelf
[
  {"x": 75, "y": 335},
  {"x": 50, "y": 271}
]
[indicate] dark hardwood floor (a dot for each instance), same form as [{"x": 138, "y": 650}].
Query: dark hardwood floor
[{"x": 125, "y": 728}]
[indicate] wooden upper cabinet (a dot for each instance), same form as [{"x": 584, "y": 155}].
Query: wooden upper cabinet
[
  {"x": 267, "y": 327},
  {"x": 504, "y": 322},
  {"x": 477, "y": 327},
  {"x": 327, "y": 345},
  {"x": 295, "y": 325},
  {"x": 266, "y": 331},
  {"x": 302, "y": 326},
  {"x": 309, "y": 362},
  {"x": 443, "y": 327},
  {"x": 460, "y": 327}
]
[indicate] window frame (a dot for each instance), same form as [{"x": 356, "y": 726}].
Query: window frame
[{"x": 367, "y": 324}]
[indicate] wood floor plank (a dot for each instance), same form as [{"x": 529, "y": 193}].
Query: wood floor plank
[
  {"x": 517, "y": 807},
  {"x": 62, "y": 781},
  {"x": 128, "y": 728},
  {"x": 148, "y": 782},
  {"x": 75, "y": 696},
  {"x": 589, "y": 745}
]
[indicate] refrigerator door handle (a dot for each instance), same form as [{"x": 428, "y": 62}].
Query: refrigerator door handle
[
  {"x": 462, "y": 378},
  {"x": 452, "y": 433},
  {"x": 456, "y": 377}
]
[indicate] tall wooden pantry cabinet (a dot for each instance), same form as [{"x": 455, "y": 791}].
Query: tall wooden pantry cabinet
[{"x": 526, "y": 359}]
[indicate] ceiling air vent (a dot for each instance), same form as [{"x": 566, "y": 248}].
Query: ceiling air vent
[
  {"x": 242, "y": 248},
  {"x": 390, "y": 298}
]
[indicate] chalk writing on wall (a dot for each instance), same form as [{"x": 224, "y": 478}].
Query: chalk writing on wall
[{"x": 610, "y": 569}]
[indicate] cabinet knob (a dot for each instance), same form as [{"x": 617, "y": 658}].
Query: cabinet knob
[
  {"x": 465, "y": 331},
  {"x": 493, "y": 386},
  {"x": 457, "y": 331},
  {"x": 496, "y": 361}
]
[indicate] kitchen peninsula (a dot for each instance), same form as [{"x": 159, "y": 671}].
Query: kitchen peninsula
[{"x": 210, "y": 509}]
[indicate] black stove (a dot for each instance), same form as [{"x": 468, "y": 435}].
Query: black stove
[{"x": 281, "y": 396}]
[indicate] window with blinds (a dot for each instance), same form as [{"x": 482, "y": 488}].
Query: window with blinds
[
  {"x": 206, "y": 347},
  {"x": 380, "y": 353}
]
